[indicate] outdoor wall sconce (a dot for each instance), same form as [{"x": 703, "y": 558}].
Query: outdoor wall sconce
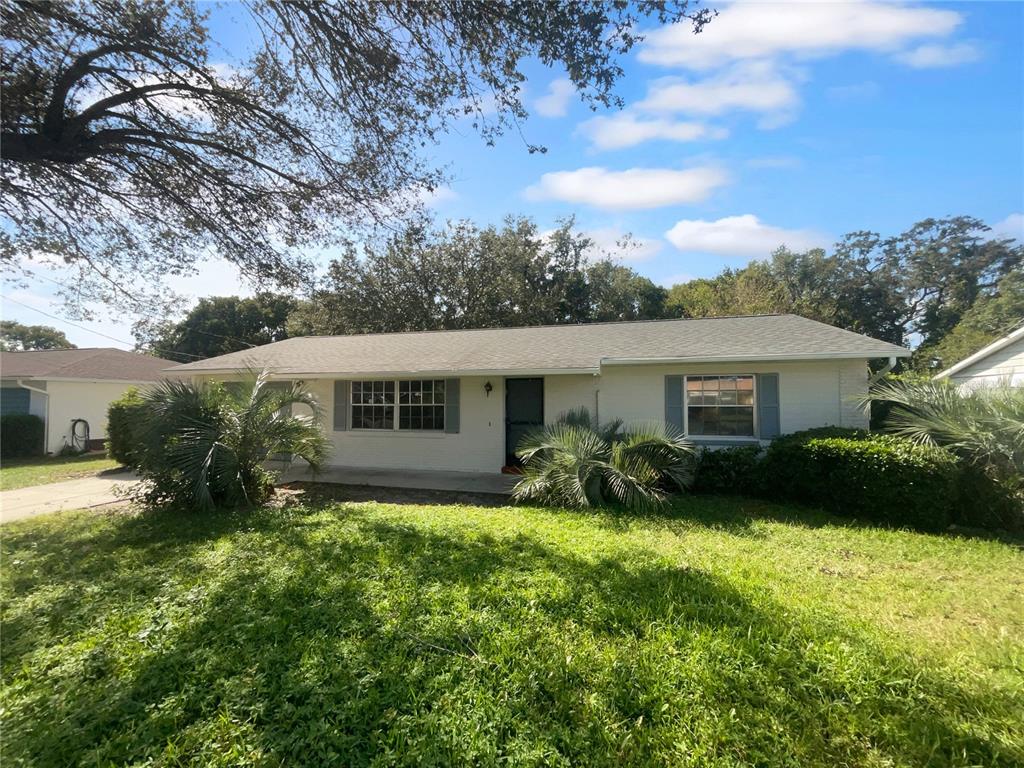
[{"x": 488, "y": 388}]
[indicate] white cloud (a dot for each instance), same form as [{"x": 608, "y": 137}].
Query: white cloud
[
  {"x": 676, "y": 279},
  {"x": 934, "y": 55},
  {"x": 749, "y": 86},
  {"x": 432, "y": 198},
  {"x": 555, "y": 103},
  {"x": 1012, "y": 226},
  {"x": 630, "y": 189},
  {"x": 806, "y": 30},
  {"x": 739, "y": 236},
  {"x": 617, "y": 244},
  {"x": 627, "y": 130}
]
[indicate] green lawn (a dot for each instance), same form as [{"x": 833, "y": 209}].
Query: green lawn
[
  {"x": 729, "y": 633},
  {"x": 21, "y": 473}
]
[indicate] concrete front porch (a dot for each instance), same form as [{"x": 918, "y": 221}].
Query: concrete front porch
[{"x": 421, "y": 479}]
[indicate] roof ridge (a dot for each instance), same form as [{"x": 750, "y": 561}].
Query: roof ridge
[{"x": 534, "y": 327}]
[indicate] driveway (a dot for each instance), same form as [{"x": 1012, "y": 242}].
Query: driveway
[{"x": 83, "y": 493}]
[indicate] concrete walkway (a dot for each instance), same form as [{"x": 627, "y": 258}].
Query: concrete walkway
[
  {"x": 82, "y": 493},
  {"x": 423, "y": 479}
]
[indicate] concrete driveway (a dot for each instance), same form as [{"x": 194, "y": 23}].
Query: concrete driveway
[{"x": 82, "y": 493}]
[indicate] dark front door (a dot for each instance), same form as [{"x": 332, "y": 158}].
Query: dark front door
[{"x": 524, "y": 412}]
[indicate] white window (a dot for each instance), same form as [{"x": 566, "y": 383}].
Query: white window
[
  {"x": 722, "y": 406},
  {"x": 420, "y": 404}
]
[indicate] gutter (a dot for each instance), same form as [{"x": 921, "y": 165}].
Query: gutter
[
  {"x": 46, "y": 426},
  {"x": 881, "y": 372}
]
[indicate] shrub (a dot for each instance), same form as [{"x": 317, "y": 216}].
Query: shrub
[
  {"x": 728, "y": 470},
  {"x": 124, "y": 434},
  {"x": 983, "y": 426},
  {"x": 880, "y": 478},
  {"x": 21, "y": 435},
  {"x": 573, "y": 465},
  {"x": 203, "y": 447}
]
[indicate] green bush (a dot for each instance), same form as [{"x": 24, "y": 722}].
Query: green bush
[
  {"x": 575, "y": 465},
  {"x": 881, "y": 478},
  {"x": 203, "y": 446},
  {"x": 124, "y": 420},
  {"x": 21, "y": 434},
  {"x": 728, "y": 470}
]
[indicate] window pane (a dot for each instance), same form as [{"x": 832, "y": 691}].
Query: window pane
[
  {"x": 693, "y": 384},
  {"x": 438, "y": 417},
  {"x": 727, "y": 383},
  {"x": 439, "y": 391},
  {"x": 428, "y": 418},
  {"x": 695, "y": 418},
  {"x": 727, "y": 396},
  {"x": 745, "y": 397},
  {"x": 417, "y": 418},
  {"x": 710, "y": 382},
  {"x": 745, "y": 382},
  {"x": 711, "y": 397},
  {"x": 403, "y": 418},
  {"x": 695, "y": 399}
]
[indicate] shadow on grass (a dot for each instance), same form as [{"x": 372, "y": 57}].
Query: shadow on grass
[{"x": 290, "y": 639}]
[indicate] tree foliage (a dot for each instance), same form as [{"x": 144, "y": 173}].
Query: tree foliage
[
  {"x": 218, "y": 325},
  {"x": 130, "y": 150},
  {"x": 992, "y": 316},
  {"x": 920, "y": 282},
  {"x": 15, "y": 336},
  {"x": 467, "y": 277}
]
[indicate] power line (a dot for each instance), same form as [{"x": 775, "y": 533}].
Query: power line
[
  {"x": 90, "y": 330},
  {"x": 154, "y": 317}
]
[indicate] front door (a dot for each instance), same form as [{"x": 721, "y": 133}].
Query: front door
[{"x": 524, "y": 412}]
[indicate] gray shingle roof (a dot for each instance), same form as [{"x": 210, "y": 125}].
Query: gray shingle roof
[
  {"x": 103, "y": 363},
  {"x": 554, "y": 347}
]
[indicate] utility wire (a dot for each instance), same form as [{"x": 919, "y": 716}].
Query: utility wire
[
  {"x": 154, "y": 317},
  {"x": 90, "y": 330}
]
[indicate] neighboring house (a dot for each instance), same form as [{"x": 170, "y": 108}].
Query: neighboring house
[
  {"x": 462, "y": 400},
  {"x": 65, "y": 387},
  {"x": 1002, "y": 360}
]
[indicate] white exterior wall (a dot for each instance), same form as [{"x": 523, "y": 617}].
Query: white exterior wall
[
  {"x": 79, "y": 400},
  {"x": 1003, "y": 364},
  {"x": 812, "y": 394}
]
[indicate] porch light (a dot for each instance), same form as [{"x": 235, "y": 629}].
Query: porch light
[{"x": 488, "y": 388}]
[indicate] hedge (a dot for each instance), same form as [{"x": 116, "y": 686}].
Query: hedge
[
  {"x": 21, "y": 434},
  {"x": 881, "y": 478},
  {"x": 123, "y": 420},
  {"x": 850, "y": 472}
]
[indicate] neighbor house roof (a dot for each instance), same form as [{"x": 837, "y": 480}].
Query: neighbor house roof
[
  {"x": 982, "y": 353},
  {"x": 95, "y": 364},
  {"x": 554, "y": 348}
]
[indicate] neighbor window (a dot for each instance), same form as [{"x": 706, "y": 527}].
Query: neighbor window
[
  {"x": 720, "y": 405},
  {"x": 420, "y": 404}
]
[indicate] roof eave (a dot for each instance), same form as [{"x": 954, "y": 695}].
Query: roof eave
[
  {"x": 981, "y": 354},
  {"x": 782, "y": 357}
]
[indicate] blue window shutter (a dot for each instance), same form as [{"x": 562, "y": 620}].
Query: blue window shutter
[
  {"x": 768, "y": 405},
  {"x": 674, "y": 401},
  {"x": 452, "y": 397},
  {"x": 341, "y": 405}
]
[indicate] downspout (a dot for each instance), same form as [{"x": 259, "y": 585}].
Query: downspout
[
  {"x": 881, "y": 372},
  {"x": 46, "y": 428}
]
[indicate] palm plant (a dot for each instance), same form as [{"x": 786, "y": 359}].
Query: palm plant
[
  {"x": 573, "y": 464},
  {"x": 205, "y": 445},
  {"x": 983, "y": 426}
]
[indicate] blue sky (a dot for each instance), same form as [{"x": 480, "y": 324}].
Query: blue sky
[{"x": 786, "y": 123}]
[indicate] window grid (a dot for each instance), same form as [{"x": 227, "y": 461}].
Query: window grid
[
  {"x": 420, "y": 404},
  {"x": 720, "y": 406}
]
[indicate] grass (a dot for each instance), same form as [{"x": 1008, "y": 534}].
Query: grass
[
  {"x": 729, "y": 632},
  {"x": 22, "y": 473}
]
